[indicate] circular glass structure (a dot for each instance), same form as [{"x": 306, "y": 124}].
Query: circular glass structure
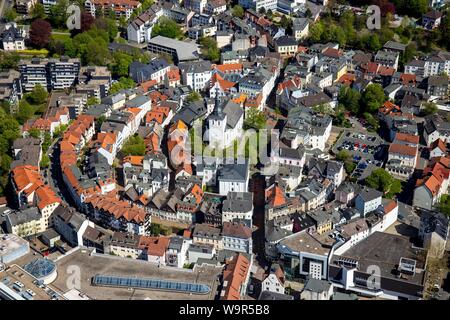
[{"x": 42, "y": 269}]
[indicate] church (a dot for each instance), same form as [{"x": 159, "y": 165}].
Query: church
[{"x": 225, "y": 124}]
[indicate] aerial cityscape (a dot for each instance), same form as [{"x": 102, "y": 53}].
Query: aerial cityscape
[{"x": 217, "y": 150}]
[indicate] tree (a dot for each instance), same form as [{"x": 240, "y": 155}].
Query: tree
[
  {"x": 34, "y": 133},
  {"x": 429, "y": 108},
  {"x": 350, "y": 99},
  {"x": 316, "y": 31},
  {"x": 92, "y": 100},
  {"x": 238, "y": 11},
  {"x": 444, "y": 205},
  {"x": 58, "y": 14},
  {"x": 45, "y": 161},
  {"x": 373, "y": 42},
  {"x": 87, "y": 21},
  {"x": 372, "y": 98},
  {"x": 25, "y": 113},
  {"x": 134, "y": 146},
  {"x": 10, "y": 14},
  {"x": 108, "y": 25},
  {"x": 38, "y": 11},
  {"x": 255, "y": 119},
  {"x": 8, "y": 60},
  {"x": 381, "y": 180},
  {"x": 343, "y": 155},
  {"x": 121, "y": 64},
  {"x": 38, "y": 95},
  {"x": 193, "y": 96},
  {"x": 123, "y": 83},
  {"x": 167, "y": 27},
  {"x": 209, "y": 49},
  {"x": 40, "y": 32}
]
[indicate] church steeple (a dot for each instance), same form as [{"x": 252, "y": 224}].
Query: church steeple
[{"x": 217, "y": 104}]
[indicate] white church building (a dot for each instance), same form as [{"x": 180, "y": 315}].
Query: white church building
[{"x": 225, "y": 124}]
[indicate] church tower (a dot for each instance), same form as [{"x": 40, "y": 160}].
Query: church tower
[{"x": 217, "y": 123}]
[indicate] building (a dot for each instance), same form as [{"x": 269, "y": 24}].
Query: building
[
  {"x": 10, "y": 88},
  {"x": 12, "y": 247},
  {"x": 200, "y": 251},
  {"x": 225, "y": 124},
  {"x": 121, "y": 8},
  {"x": 196, "y": 74},
  {"x": 316, "y": 289},
  {"x": 401, "y": 277},
  {"x": 433, "y": 183},
  {"x": 304, "y": 254},
  {"x": 25, "y": 222},
  {"x": 238, "y": 206},
  {"x": 205, "y": 234},
  {"x": 275, "y": 280},
  {"x": 438, "y": 86},
  {"x": 286, "y": 46},
  {"x": 13, "y": 38},
  {"x": 181, "y": 51},
  {"x": 368, "y": 200},
  {"x": 300, "y": 27},
  {"x": 433, "y": 232},
  {"x": 155, "y": 70},
  {"x": 235, "y": 277},
  {"x": 71, "y": 225},
  {"x": 432, "y": 19},
  {"x": 236, "y": 236},
  {"x": 403, "y": 155},
  {"x": 25, "y": 6},
  {"x": 233, "y": 178},
  {"x": 387, "y": 58},
  {"x": 52, "y": 74}
]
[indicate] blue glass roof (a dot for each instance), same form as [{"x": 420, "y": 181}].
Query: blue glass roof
[
  {"x": 40, "y": 268},
  {"x": 155, "y": 284}
]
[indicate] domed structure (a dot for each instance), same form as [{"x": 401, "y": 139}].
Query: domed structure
[{"x": 43, "y": 270}]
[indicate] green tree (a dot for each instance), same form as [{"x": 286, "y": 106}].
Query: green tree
[
  {"x": 255, "y": 119},
  {"x": 381, "y": 180},
  {"x": 373, "y": 42},
  {"x": 444, "y": 204},
  {"x": 238, "y": 11},
  {"x": 38, "y": 95},
  {"x": 38, "y": 11},
  {"x": 134, "y": 146},
  {"x": 92, "y": 100},
  {"x": 25, "y": 112},
  {"x": 316, "y": 31},
  {"x": 350, "y": 99},
  {"x": 8, "y": 60},
  {"x": 121, "y": 64},
  {"x": 373, "y": 98},
  {"x": 10, "y": 14},
  {"x": 108, "y": 25},
  {"x": 429, "y": 108},
  {"x": 45, "y": 161},
  {"x": 343, "y": 155},
  {"x": 58, "y": 14},
  {"x": 193, "y": 96},
  {"x": 209, "y": 49},
  {"x": 167, "y": 27},
  {"x": 34, "y": 133},
  {"x": 123, "y": 83}
]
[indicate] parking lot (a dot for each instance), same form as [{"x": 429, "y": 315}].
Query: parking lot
[
  {"x": 360, "y": 146},
  {"x": 366, "y": 151}
]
